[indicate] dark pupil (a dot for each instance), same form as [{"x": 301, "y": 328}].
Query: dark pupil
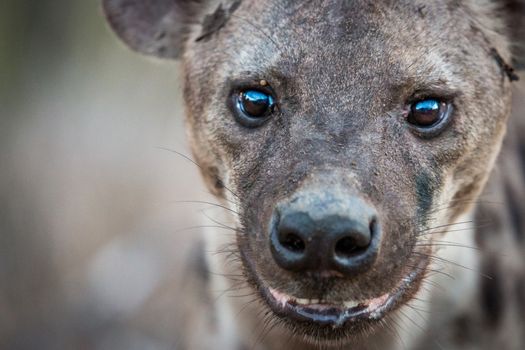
[
  {"x": 255, "y": 103},
  {"x": 425, "y": 113}
]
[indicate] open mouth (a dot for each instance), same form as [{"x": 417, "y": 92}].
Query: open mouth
[{"x": 338, "y": 315}]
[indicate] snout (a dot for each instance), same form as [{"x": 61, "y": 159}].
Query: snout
[
  {"x": 328, "y": 258},
  {"x": 325, "y": 233}
]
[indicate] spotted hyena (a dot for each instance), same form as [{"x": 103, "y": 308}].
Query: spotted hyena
[{"x": 348, "y": 142}]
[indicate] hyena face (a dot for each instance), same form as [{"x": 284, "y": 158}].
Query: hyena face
[{"x": 343, "y": 132}]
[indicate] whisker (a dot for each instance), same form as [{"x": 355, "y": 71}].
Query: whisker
[
  {"x": 396, "y": 332},
  {"x": 207, "y": 203},
  {"x": 418, "y": 310},
  {"x": 433, "y": 284},
  {"x": 196, "y": 227},
  {"x": 431, "y": 270},
  {"x": 446, "y": 245},
  {"x": 199, "y": 166},
  {"x": 412, "y": 321},
  {"x": 459, "y": 202},
  {"x": 265, "y": 320},
  {"x": 434, "y": 257},
  {"x": 247, "y": 304},
  {"x": 220, "y": 223},
  {"x": 272, "y": 324},
  {"x": 450, "y": 231},
  {"x": 223, "y": 198},
  {"x": 425, "y": 331},
  {"x": 447, "y": 225}
]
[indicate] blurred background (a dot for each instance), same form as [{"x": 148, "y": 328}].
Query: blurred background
[
  {"x": 90, "y": 240},
  {"x": 91, "y": 236}
]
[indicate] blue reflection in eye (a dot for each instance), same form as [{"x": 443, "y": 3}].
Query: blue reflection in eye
[
  {"x": 426, "y": 106},
  {"x": 258, "y": 97},
  {"x": 255, "y": 95},
  {"x": 255, "y": 103}
]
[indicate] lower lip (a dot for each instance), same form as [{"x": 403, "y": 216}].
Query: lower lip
[
  {"x": 327, "y": 314},
  {"x": 337, "y": 316}
]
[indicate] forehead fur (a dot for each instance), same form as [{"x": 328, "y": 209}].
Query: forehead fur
[
  {"x": 355, "y": 17},
  {"x": 343, "y": 43}
]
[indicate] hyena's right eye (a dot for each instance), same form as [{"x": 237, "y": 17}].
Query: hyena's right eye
[
  {"x": 428, "y": 117},
  {"x": 253, "y": 107}
]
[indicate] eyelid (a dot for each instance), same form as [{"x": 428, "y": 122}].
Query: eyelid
[
  {"x": 240, "y": 85},
  {"x": 441, "y": 95}
]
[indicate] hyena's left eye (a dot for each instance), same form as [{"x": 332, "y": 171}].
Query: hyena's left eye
[
  {"x": 253, "y": 107},
  {"x": 429, "y": 116}
]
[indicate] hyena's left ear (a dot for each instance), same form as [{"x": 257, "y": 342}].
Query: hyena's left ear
[
  {"x": 154, "y": 27},
  {"x": 515, "y": 12}
]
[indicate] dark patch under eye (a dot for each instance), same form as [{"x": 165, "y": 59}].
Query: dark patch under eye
[{"x": 426, "y": 187}]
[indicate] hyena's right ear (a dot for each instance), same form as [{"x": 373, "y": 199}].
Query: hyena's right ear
[{"x": 154, "y": 27}]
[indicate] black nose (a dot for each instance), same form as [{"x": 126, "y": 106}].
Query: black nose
[{"x": 325, "y": 232}]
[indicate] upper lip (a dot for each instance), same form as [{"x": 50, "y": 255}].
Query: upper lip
[{"x": 337, "y": 315}]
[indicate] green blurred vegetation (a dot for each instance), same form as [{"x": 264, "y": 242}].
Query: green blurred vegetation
[{"x": 37, "y": 36}]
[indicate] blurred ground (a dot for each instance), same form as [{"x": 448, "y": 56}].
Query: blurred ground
[{"x": 89, "y": 241}]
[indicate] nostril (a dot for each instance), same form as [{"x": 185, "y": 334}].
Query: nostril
[
  {"x": 347, "y": 247},
  {"x": 355, "y": 243},
  {"x": 292, "y": 242}
]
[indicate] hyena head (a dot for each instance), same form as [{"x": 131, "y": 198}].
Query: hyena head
[{"x": 340, "y": 133}]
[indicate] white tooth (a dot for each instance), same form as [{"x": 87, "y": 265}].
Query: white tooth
[
  {"x": 303, "y": 301},
  {"x": 351, "y": 304},
  {"x": 284, "y": 299}
]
